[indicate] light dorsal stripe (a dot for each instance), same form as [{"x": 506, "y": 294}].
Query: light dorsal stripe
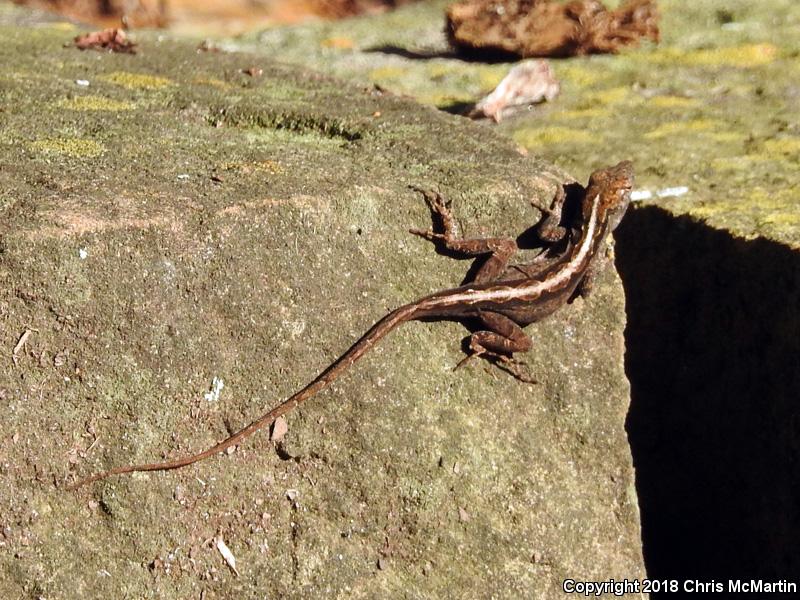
[{"x": 536, "y": 288}]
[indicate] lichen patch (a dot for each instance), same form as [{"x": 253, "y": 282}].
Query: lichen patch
[
  {"x": 745, "y": 56},
  {"x": 72, "y": 147},
  {"x": 136, "y": 81},
  {"x": 683, "y": 128},
  {"x": 669, "y": 102},
  {"x": 551, "y": 135},
  {"x": 91, "y": 102}
]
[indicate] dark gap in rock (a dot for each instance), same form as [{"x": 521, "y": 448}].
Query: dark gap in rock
[
  {"x": 484, "y": 55},
  {"x": 713, "y": 358},
  {"x": 458, "y": 108}
]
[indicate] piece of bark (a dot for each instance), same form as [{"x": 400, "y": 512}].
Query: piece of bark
[
  {"x": 530, "y": 82},
  {"x": 542, "y": 28},
  {"x": 113, "y": 40}
]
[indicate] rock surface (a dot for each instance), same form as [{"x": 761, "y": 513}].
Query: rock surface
[
  {"x": 177, "y": 220},
  {"x": 710, "y": 261}
]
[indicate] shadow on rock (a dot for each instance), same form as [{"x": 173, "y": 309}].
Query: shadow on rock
[{"x": 713, "y": 357}]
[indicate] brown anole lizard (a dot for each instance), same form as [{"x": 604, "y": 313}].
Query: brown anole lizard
[{"x": 503, "y": 298}]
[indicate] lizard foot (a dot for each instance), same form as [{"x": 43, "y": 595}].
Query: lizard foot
[
  {"x": 510, "y": 365},
  {"x": 442, "y": 213}
]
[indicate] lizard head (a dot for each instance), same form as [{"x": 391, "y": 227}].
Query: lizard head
[{"x": 613, "y": 185}]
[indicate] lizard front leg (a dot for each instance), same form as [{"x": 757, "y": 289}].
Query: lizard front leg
[
  {"x": 500, "y": 250},
  {"x": 550, "y": 229},
  {"x": 502, "y": 336}
]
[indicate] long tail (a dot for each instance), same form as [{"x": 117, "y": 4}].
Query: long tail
[{"x": 323, "y": 380}]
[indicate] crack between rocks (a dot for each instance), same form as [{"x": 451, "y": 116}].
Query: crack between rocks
[{"x": 713, "y": 358}]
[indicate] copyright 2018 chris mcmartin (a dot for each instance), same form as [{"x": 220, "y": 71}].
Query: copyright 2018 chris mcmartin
[{"x": 620, "y": 587}]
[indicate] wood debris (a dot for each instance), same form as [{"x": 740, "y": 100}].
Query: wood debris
[
  {"x": 253, "y": 71},
  {"x": 530, "y": 82},
  {"x": 208, "y": 46},
  {"x": 226, "y": 553},
  {"x": 21, "y": 344},
  {"x": 543, "y": 28},
  {"x": 112, "y": 40}
]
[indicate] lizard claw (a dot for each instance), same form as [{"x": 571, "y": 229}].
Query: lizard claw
[
  {"x": 466, "y": 359},
  {"x": 515, "y": 368},
  {"x": 435, "y": 200},
  {"x": 476, "y": 351},
  {"x": 512, "y": 366},
  {"x": 439, "y": 204}
]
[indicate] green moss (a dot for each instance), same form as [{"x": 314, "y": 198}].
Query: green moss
[
  {"x": 614, "y": 95},
  {"x": 784, "y": 147},
  {"x": 682, "y": 128},
  {"x": 62, "y": 26},
  {"x": 263, "y": 166},
  {"x": 387, "y": 73},
  {"x": 581, "y": 113},
  {"x": 444, "y": 100},
  {"x": 544, "y": 136},
  {"x": 762, "y": 198},
  {"x": 728, "y": 138},
  {"x": 218, "y": 83},
  {"x": 580, "y": 74},
  {"x": 763, "y": 206},
  {"x": 439, "y": 70},
  {"x": 739, "y": 163},
  {"x": 672, "y": 102},
  {"x": 91, "y": 102},
  {"x": 489, "y": 77},
  {"x": 268, "y": 137}
]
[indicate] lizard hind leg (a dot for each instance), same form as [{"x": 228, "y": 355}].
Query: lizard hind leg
[{"x": 499, "y": 341}]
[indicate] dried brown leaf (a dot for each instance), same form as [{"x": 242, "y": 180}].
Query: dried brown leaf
[
  {"x": 279, "y": 429},
  {"x": 530, "y": 82}
]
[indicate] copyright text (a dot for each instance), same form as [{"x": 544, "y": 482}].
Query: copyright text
[{"x": 620, "y": 587}]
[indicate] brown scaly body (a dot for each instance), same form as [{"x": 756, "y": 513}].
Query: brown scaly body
[{"x": 503, "y": 297}]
